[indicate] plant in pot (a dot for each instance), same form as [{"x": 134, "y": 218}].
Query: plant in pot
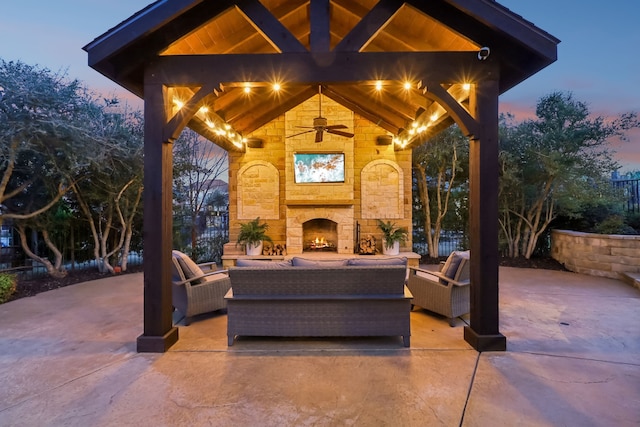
[
  {"x": 252, "y": 235},
  {"x": 392, "y": 237}
]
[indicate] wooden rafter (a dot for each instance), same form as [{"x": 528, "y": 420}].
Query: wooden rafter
[
  {"x": 320, "y": 40},
  {"x": 269, "y": 26},
  {"x": 372, "y": 23}
]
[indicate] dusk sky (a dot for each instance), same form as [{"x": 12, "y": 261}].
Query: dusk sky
[{"x": 597, "y": 57}]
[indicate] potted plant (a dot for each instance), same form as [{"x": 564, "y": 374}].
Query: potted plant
[
  {"x": 392, "y": 237},
  {"x": 252, "y": 235}
]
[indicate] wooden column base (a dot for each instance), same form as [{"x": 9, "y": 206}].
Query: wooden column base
[
  {"x": 493, "y": 342},
  {"x": 157, "y": 344}
]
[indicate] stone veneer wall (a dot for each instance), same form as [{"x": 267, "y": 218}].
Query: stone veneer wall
[
  {"x": 381, "y": 167},
  {"x": 596, "y": 254}
]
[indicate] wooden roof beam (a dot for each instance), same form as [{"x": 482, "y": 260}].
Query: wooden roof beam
[
  {"x": 332, "y": 67},
  {"x": 269, "y": 26},
  {"x": 369, "y": 26},
  {"x": 320, "y": 39}
]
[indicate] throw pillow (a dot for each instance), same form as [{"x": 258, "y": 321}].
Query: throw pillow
[
  {"x": 189, "y": 268},
  {"x": 262, "y": 264},
  {"x": 303, "y": 262},
  {"x": 450, "y": 268},
  {"x": 380, "y": 261}
]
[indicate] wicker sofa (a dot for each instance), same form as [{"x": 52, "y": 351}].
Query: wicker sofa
[{"x": 327, "y": 298}]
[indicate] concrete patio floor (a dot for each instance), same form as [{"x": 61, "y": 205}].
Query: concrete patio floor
[{"x": 67, "y": 358}]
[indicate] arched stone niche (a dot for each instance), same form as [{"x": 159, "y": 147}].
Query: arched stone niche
[
  {"x": 258, "y": 191},
  {"x": 382, "y": 190}
]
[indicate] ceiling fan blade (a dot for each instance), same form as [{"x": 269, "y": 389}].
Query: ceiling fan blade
[
  {"x": 337, "y": 127},
  {"x": 299, "y": 133},
  {"x": 319, "y": 136},
  {"x": 339, "y": 132},
  {"x": 306, "y": 127}
]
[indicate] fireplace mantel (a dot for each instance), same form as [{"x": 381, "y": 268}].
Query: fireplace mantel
[{"x": 307, "y": 203}]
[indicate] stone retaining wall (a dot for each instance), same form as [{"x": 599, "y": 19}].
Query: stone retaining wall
[{"x": 606, "y": 255}]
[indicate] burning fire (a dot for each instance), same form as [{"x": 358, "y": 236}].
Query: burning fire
[{"x": 319, "y": 243}]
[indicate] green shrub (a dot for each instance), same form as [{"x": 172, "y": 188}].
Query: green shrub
[
  {"x": 7, "y": 286},
  {"x": 633, "y": 220},
  {"x": 614, "y": 224}
]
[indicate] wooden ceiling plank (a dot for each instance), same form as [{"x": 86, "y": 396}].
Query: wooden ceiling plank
[
  {"x": 372, "y": 23},
  {"x": 386, "y": 42},
  {"x": 353, "y": 7},
  {"x": 254, "y": 120},
  {"x": 230, "y": 96},
  {"x": 320, "y": 40},
  {"x": 376, "y": 102},
  {"x": 269, "y": 26},
  {"x": 288, "y": 8},
  {"x": 385, "y": 118}
]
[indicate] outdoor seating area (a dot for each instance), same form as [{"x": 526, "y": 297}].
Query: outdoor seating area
[
  {"x": 69, "y": 358},
  {"x": 333, "y": 296}
]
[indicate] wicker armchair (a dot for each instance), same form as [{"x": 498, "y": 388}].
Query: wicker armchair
[
  {"x": 445, "y": 292},
  {"x": 197, "y": 288}
]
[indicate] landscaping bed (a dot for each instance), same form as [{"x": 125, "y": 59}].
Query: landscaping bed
[{"x": 28, "y": 288}]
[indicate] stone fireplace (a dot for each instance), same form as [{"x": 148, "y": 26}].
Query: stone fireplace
[
  {"x": 305, "y": 223},
  {"x": 377, "y": 184},
  {"x": 319, "y": 235}
]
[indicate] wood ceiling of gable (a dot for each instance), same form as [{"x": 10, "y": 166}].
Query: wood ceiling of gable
[{"x": 233, "y": 32}]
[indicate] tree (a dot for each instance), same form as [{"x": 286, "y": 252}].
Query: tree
[
  {"x": 197, "y": 165},
  {"x": 42, "y": 224},
  {"x": 42, "y": 128},
  {"x": 39, "y": 127},
  {"x": 108, "y": 190},
  {"x": 555, "y": 163},
  {"x": 439, "y": 171}
]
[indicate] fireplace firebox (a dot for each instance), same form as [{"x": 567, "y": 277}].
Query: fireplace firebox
[{"x": 320, "y": 235}]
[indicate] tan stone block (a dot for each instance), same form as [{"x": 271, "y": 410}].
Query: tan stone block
[{"x": 626, "y": 252}]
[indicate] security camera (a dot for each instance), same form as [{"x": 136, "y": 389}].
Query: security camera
[{"x": 484, "y": 53}]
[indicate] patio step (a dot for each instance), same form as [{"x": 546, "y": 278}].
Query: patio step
[{"x": 632, "y": 278}]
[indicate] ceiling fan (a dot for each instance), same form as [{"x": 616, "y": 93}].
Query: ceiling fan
[{"x": 320, "y": 124}]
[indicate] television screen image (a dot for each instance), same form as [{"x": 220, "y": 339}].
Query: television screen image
[{"x": 318, "y": 167}]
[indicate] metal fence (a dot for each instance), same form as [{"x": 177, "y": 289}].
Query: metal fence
[
  {"x": 449, "y": 241},
  {"x": 631, "y": 191}
]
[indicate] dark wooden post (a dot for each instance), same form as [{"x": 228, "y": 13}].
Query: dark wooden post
[
  {"x": 483, "y": 333},
  {"x": 159, "y": 332}
]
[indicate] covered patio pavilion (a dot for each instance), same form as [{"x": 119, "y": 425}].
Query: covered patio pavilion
[{"x": 454, "y": 56}]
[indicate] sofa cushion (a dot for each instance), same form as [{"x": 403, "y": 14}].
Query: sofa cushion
[
  {"x": 451, "y": 266},
  {"x": 189, "y": 268},
  {"x": 303, "y": 262},
  {"x": 262, "y": 264},
  {"x": 378, "y": 261}
]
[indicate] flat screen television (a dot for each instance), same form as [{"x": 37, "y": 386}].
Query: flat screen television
[{"x": 318, "y": 167}]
